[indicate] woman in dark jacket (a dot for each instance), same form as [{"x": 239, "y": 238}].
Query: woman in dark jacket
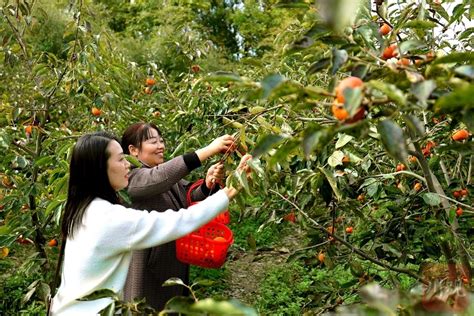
[{"x": 159, "y": 185}]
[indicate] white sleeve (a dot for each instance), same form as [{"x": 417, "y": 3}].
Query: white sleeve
[{"x": 131, "y": 229}]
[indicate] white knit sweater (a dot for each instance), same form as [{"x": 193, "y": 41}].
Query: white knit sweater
[{"x": 99, "y": 255}]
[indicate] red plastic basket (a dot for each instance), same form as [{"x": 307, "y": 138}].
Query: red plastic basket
[
  {"x": 201, "y": 249},
  {"x": 222, "y": 218}
]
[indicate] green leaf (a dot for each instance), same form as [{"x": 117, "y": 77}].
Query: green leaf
[
  {"x": 352, "y": 100},
  {"x": 242, "y": 178},
  {"x": 123, "y": 194},
  {"x": 31, "y": 291},
  {"x": 302, "y": 43},
  {"x": 372, "y": 189},
  {"x": 44, "y": 161},
  {"x": 441, "y": 11},
  {"x": 135, "y": 162},
  {"x": 271, "y": 82},
  {"x": 451, "y": 215},
  {"x": 20, "y": 162},
  {"x": 465, "y": 71},
  {"x": 256, "y": 166},
  {"x": 343, "y": 140},
  {"x": 456, "y": 57},
  {"x": 231, "y": 307},
  {"x": 173, "y": 282},
  {"x": 222, "y": 76},
  {"x": 40, "y": 69},
  {"x": 266, "y": 143},
  {"x": 415, "y": 124},
  {"x": 318, "y": 30},
  {"x": 368, "y": 34},
  {"x": 420, "y": 24},
  {"x": 203, "y": 282},
  {"x": 182, "y": 305},
  {"x": 109, "y": 310},
  {"x": 458, "y": 102},
  {"x": 431, "y": 199},
  {"x": 332, "y": 182},
  {"x": 359, "y": 70},
  {"x": 315, "y": 138},
  {"x": 336, "y": 158},
  {"x": 356, "y": 268},
  {"x": 339, "y": 58},
  {"x": 234, "y": 124},
  {"x": 292, "y": 4},
  {"x": 319, "y": 65},
  {"x": 422, "y": 90},
  {"x": 466, "y": 34},
  {"x": 315, "y": 92},
  {"x": 458, "y": 11},
  {"x": 393, "y": 140},
  {"x": 53, "y": 205},
  {"x": 104, "y": 293},
  {"x": 390, "y": 90},
  {"x": 263, "y": 122},
  {"x": 341, "y": 13},
  {"x": 60, "y": 185},
  {"x": 460, "y": 148},
  {"x": 283, "y": 152},
  {"x": 410, "y": 46},
  {"x": 256, "y": 109}
]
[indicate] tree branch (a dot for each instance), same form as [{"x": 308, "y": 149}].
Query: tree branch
[{"x": 411, "y": 273}]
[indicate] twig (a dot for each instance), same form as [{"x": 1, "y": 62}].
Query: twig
[
  {"x": 397, "y": 173},
  {"x": 17, "y": 34},
  {"x": 454, "y": 201},
  {"x": 445, "y": 172},
  {"x": 469, "y": 173},
  {"x": 411, "y": 273},
  {"x": 25, "y": 149},
  {"x": 311, "y": 247}
]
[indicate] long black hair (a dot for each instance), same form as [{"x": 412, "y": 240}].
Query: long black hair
[
  {"x": 87, "y": 178},
  {"x": 136, "y": 134}
]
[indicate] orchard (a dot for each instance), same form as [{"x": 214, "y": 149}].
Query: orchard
[{"x": 359, "y": 116}]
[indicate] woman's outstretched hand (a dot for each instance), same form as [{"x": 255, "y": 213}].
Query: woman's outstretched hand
[
  {"x": 218, "y": 145},
  {"x": 243, "y": 164},
  {"x": 231, "y": 191}
]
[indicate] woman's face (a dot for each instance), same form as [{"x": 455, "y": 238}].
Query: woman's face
[
  {"x": 117, "y": 166},
  {"x": 152, "y": 150}
]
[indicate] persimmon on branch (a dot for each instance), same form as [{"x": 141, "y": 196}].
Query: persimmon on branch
[{"x": 356, "y": 250}]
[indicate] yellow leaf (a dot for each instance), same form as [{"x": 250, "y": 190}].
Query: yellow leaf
[{"x": 5, "y": 252}]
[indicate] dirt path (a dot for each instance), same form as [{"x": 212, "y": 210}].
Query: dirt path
[{"x": 248, "y": 268}]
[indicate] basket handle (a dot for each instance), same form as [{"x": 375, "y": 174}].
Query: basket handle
[
  {"x": 197, "y": 184},
  {"x": 191, "y": 189}
]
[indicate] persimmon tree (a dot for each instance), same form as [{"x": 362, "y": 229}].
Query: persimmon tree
[{"x": 359, "y": 116}]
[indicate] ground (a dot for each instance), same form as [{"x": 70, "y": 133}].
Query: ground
[{"x": 247, "y": 268}]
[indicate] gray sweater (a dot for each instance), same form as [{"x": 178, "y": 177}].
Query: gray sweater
[{"x": 160, "y": 188}]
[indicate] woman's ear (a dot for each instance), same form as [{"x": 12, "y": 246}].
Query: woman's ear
[{"x": 133, "y": 150}]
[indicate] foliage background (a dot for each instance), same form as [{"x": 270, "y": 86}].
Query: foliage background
[{"x": 265, "y": 70}]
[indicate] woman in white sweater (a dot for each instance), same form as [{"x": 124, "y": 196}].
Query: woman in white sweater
[{"x": 100, "y": 234}]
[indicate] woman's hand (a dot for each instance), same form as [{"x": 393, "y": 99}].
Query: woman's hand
[
  {"x": 243, "y": 164},
  {"x": 218, "y": 145},
  {"x": 231, "y": 191},
  {"x": 215, "y": 174}
]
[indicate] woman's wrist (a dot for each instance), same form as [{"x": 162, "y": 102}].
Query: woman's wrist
[
  {"x": 204, "y": 153},
  {"x": 231, "y": 192}
]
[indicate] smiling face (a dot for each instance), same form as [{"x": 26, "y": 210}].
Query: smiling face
[
  {"x": 151, "y": 151},
  {"x": 117, "y": 166}
]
